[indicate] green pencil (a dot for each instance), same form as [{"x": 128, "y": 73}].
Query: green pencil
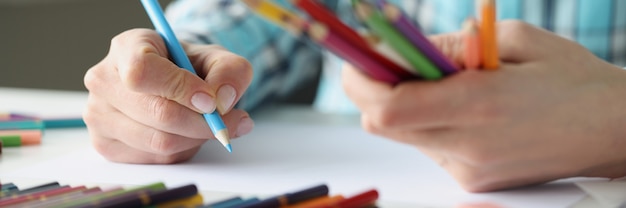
[{"x": 377, "y": 22}]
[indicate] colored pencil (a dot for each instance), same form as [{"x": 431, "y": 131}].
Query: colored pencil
[
  {"x": 61, "y": 198},
  {"x": 488, "y": 36},
  {"x": 146, "y": 198},
  {"x": 245, "y": 203},
  {"x": 325, "y": 37},
  {"x": 359, "y": 200},
  {"x": 317, "y": 202},
  {"x": 42, "y": 187},
  {"x": 193, "y": 201},
  {"x": 21, "y": 124},
  {"x": 94, "y": 199},
  {"x": 16, "y": 138},
  {"x": 8, "y": 187},
  {"x": 155, "y": 13},
  {"x": 322, "y": 15},
  {"x": 53, "y": 123},
  {"x": 224, "y": 203},
  {"x": 39, "y": 195},
  {"x": 278, "y": 15},
  {"x": 471, "y": 44},
  {"x": 413, "y": 34},
  {"x": 377, "y": 23},
  {"x": 292, "y": 198}
]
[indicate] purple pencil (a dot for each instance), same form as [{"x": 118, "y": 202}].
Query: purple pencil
[{"x": 413, "y": 34}]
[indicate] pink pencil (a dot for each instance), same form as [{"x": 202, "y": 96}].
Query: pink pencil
[
  {"x": 321, "y": 34},
  {"x": 471, "y": 41}
]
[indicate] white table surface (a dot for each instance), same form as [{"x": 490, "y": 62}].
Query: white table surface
[{"x": 64, "y": 143}]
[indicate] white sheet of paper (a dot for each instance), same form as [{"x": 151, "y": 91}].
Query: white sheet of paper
[
  {"x": 609, "y": 195},
  {"x": 280, "y": 157}
]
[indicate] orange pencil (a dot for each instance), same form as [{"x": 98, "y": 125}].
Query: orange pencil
[
  {"x": 490, "y": 57},
  {"x": 471, "y": 44},
  {"x": 317, "y": 202}
]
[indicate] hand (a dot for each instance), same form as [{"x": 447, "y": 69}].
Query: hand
[
  {"x": 142, "y": 108},
  {"x": 552, "y": 110}
]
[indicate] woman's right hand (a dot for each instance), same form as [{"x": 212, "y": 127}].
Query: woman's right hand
[{"x": 143, "y": 108}]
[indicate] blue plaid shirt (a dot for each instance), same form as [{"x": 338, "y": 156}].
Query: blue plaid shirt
[{"x": 283, "y": 63}]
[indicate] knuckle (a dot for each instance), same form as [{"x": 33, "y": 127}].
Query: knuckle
[
  {"x": 164, "y": 111},
  {"x": 177, "y": 88},
  {"x": 134, "y": 73},
  {"x": 94, "y": 79},
  {"x": 369, "y": 126},
  {"x": 385, "y": 116},
  {"x": 161, "y": 143}
]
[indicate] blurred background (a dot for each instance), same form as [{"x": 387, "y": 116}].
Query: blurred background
[{"x": 51, "y": 43}]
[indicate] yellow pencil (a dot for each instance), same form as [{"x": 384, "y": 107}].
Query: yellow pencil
[
  {"x": 278, "y": 15},
  {"x": 193, "y": 201},
  {"x": 488, "y": 36}
]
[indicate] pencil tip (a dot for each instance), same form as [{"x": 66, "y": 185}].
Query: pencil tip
[{"x": 229, "y": 148}]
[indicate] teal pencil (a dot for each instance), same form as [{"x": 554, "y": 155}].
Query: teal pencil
[
  {"x": 21, "y": 124},
  {"x": 53, "y": 123}
]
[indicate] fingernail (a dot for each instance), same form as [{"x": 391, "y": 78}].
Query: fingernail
[
  {"x": 225, "y": 98},
  {"x": 245, "y": 126},
  {"x": 203, "y": 102}
]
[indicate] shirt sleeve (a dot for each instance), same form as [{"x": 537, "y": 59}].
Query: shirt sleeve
[{"x": 282, "y": 63}]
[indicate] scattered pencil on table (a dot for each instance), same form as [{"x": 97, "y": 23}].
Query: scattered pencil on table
[
  {"x": 16, "y": 138},
  {"x": 54, "y": 194}
]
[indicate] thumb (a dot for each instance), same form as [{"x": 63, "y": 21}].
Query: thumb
[{"x": 144, "y": 68}]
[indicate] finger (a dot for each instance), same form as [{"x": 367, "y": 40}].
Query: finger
[
  {"x": 143, "y": 67},
  {"x": 407, "y": 105},
  {"x": 111, "y": 148},
  {"x": 521, "y": 42},
  {"x": 227, "y": 73},
  {"x": 114, "y": 124},
  {"x": 141, "y": 137}
]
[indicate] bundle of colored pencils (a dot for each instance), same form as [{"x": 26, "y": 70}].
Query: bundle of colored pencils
[
  {"x": 395, "y": 50},
  {"x": 158, "y": 195}
]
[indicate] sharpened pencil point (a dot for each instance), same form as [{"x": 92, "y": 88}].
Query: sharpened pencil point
[{"x": 229, "y": 148}]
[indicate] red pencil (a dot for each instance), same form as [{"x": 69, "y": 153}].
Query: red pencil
[
  {"x": 321, "y": 34},
  {"x": 323, "y": 15},
  {"x": 360, "y": 200}
]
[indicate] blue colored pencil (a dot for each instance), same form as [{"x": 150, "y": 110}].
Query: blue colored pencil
[
  {"x": 243, "y": 203},
  {"x": 155, "y": 13},
  {"x": 292, "y": 198},
  {"x": 224, "y": 203}
]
